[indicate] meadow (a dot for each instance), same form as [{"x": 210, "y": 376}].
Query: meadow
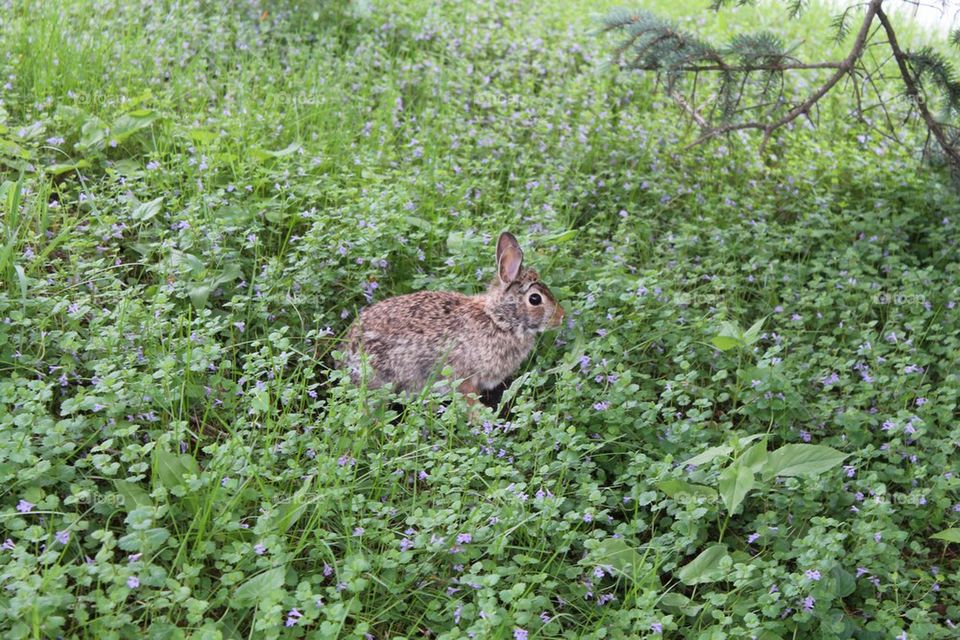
[{"x": 747, "y": 427}]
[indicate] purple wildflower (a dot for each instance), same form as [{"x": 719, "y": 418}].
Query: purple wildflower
[{"x": 293, "y": 616}]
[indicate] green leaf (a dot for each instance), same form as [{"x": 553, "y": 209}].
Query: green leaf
[
  {"x": 161, "y": 630},
  {"x": 845, "y": 583},
  {"x": 228, "y": 274},
  {"x": 128, "y": 124},
  {"x": 144, "y": 541},
  {"x": 22, "y": 281},
  {"x": 133, "y": 495},
  {"x": 801, "y": 460},
  {"x": 199, "y": 294},
  {"x": 146, "y": 210},
  {"x": 93, "y": 135},
  {"x": 455, "y": 242},
  {"x": 259, "y": 588},
  {"x": 560, "y": 237},
  {"x": 419, "y": 223},
  {"x": 618, "y": 554},
  {"x": 751, "y": 335},
  {"x": 265, "y": 154},
  {"x": 170, "y": 468},
  {"x": 705, "y": 567},
  {"x": 707, "y": 455},
  {"x": 725, "y": 343},
  {"x": 57, "y": 169},
  {"x": 202, "y": 136},
  {"x": 948, "y": 535},
  {"x": 754, "y": 458},
  {"x": 736, "y": 481},
  {"x": 680, "y": 602},
  {"x": 677, "y": 488}
]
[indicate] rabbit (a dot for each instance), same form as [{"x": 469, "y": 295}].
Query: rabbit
[{"x": 484, "y": 338}]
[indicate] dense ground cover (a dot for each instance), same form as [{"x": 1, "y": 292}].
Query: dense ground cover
[{"x": 198, "y": 197}]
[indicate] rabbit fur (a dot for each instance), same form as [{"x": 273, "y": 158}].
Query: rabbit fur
[{"x": 484, "y": 338}]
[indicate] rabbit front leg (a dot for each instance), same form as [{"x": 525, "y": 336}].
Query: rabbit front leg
[{"x": 469, "y": 389}]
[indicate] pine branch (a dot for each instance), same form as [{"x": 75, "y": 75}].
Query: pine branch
[
  {"x": 750, "y": 92},
  {"x": 843, "y": 68},
  {"x": 913, "y": 91}
]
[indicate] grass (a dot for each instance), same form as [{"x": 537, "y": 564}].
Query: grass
[{"x": 197, "y": 198}]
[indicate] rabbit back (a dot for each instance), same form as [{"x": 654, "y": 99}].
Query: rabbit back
[{"x": 406, "y": 340}]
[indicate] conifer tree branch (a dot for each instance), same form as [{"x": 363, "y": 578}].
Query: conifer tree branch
[
  {"x": 913, "y": 91},
  {"x": 748, "y": 92}
]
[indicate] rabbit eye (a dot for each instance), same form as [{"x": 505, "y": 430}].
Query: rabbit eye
[{"x": 535, "y": 299}]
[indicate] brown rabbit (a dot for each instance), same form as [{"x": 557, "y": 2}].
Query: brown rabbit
[{"x": 406, "y": 340}]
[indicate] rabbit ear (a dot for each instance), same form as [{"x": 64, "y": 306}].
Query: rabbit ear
[{"x": 509, "y": 258}]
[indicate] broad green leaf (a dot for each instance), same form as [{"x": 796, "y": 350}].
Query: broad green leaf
[
  {"x": 744, "y": 441},
  {"x": 948, "y": 535},
  {"x": 675, "y": 487},
  {"x": 455, "y": 242},
  {"x": 751, "y": 335},
  {"x": 265, "y": 154},
  {"x": 146, "y": 210},
  {"x": 707, "y": 455},
  {"x": 259, "y": 588},
  {"x": 560, "y": 237},
  {"x": 290, "y": 512},
  {"x": 93, "y": 135},
  {"x": 144, "y": 540},
  {"x": 754, "y": 458},
  {"x": 193, "y": 263},
  {"x": 133, "y": 495},
  {"x": 736, "y": 481},
  {"x": 725, "y": 343},
  {"x": 203, "y": 136},
  {"x": 846, "y": 584},
  {"x": 802, "y": 459},
  {"x": 171, "y": 467},
  {"x": 21, "y": 281},
  {"x": 57, "y": 169},
  {"x": 199, "y": 294},
  {"x": 161, "y": 630},
  {"x": 128, "y": 124},
  {"x": 229, "y": 273},
  {"x": 705, "y": 567},
  {"x": 729, "y": 336},
  {"x": 618, "y": 554},
  {"x": 419, "y": 223},
  {"x": 679, "y": 602}
]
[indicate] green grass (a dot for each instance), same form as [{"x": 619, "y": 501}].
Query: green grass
[{"x": 197, "y": 198}]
